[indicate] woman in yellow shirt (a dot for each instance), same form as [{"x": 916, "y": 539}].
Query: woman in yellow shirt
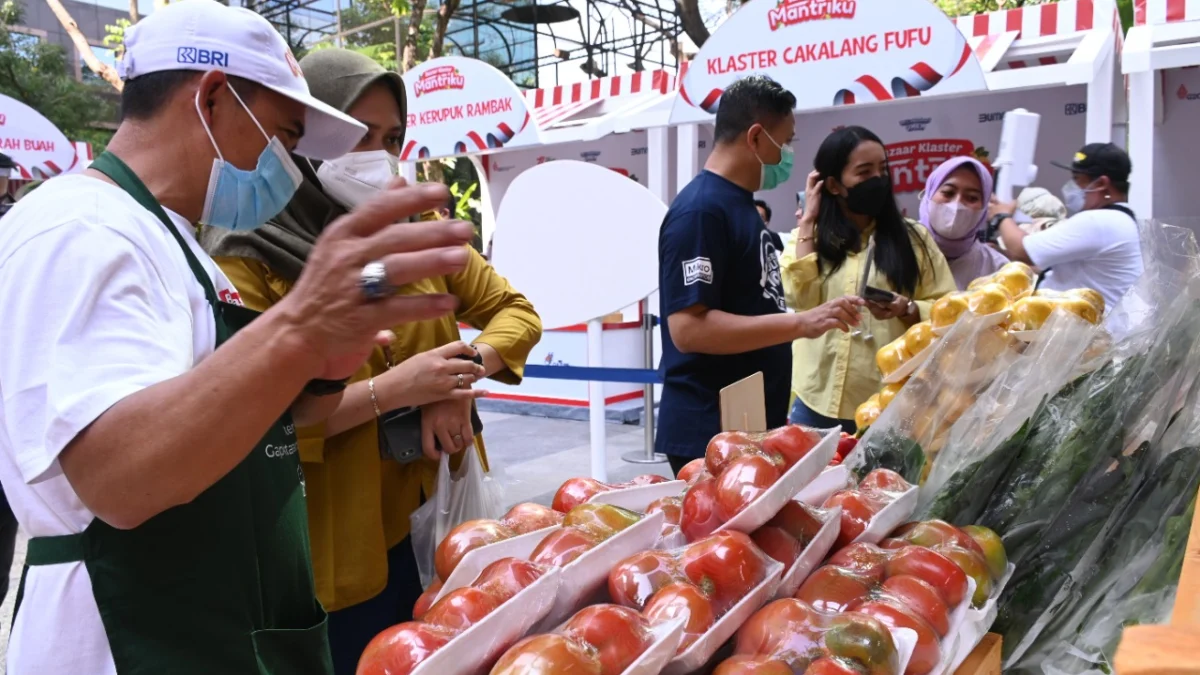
[
  {"x": 358, "y": 501},
  {"x": 850, "y": 210}
]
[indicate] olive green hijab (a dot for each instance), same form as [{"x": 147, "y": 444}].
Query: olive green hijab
[{"x": 337, "y": 77}]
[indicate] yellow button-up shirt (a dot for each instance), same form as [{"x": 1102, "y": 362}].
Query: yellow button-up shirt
[
  {"x": 836, "y": 372},
  {"x": 359, "y": 503}
]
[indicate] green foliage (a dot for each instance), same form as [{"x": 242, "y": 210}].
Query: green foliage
[
  {"x": 41, "y": 76},
  {"x": 115, "y": 36},
  {"x": 379, "y": 42}
]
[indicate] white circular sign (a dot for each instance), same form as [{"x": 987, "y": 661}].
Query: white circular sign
[
  {"x": 458, "y": 105},
  {"x": 39, "y": 149},
  {"x": 579, "y": 240},
  {"x": 832, "y": 53}
]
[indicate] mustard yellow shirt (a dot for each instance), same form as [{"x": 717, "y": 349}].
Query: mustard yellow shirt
[
  {"x": 836, "y": 372},
  {"x": 359, "y": 503}
]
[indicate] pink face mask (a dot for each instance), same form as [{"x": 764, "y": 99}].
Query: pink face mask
[{"x": 953, "y": 220}]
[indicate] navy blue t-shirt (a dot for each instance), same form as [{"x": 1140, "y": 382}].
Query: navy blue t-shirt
[{"x": 714, "y": 250}]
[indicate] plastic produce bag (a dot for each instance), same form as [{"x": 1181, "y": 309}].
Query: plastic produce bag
[
  {"x": 914, "y": 428},
  {"x": 470, "y": 494}
]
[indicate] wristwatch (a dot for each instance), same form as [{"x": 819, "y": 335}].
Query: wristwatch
[
  {"x": 992, "y": 232},
  {"x": 478, "y": 358},
  {"x": 325, "y": 387}
]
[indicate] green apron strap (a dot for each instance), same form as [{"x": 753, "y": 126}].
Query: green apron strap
[{"x": 110, "y": 165}]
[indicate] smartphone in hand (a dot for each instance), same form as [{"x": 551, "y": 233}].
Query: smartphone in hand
[{"x": 872, "y": 294}]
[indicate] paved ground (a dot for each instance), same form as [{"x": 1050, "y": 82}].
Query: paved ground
[{"x": 537, "y": 454}]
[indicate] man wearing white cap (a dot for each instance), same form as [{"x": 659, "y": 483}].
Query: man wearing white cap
[{"x": 148, "y": 451}]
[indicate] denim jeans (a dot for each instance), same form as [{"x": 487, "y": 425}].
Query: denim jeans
[{"x": 802, "y": 414}]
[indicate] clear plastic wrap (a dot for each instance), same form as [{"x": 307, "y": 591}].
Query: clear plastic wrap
[{"x": 913, "y": 429}]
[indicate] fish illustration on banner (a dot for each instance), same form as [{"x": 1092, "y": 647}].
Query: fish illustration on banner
[
  {"x": 832, "y": 53},
  {"x": 459, "y": 106}
]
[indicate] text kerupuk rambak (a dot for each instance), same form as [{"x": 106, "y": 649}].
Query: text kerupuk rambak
[
  {"x": 828, "y": 50},
  {"x": 491, "y": 106}
]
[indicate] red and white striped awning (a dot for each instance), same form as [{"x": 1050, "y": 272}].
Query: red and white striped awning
[
  {"x": 552, "y": 104},
  {"x": 1032, "y": 22},
  {"x": 1157, "y": 12}
]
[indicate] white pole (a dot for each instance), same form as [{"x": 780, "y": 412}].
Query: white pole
[
  {"x": 1100, "y": 104},
  {"x": 408, "y": 171},
  {"x": 688, "y": 155},
  {"x": 1142, "y": 102},
  {"x": 595, "y": 340}
]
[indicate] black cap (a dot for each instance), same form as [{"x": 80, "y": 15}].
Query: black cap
[
  {"x": 6, "y": 162},
  {"x": 1100, "y": 159}
]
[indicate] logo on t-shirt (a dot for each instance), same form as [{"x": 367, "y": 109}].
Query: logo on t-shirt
[
  {"x": 771, "y": 279},
  {"x": 697, "y": 270},
  {"x": 231, "y": 297}
]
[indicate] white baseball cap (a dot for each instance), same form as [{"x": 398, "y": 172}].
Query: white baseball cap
[{"x": 205, "y": 35}]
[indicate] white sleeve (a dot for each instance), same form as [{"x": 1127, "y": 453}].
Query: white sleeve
[
  {"x": 87, "y": 321},
  {"x": 1069, "y": 240}
]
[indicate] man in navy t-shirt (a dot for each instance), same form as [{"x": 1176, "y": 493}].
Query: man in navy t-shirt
[{"x": 719, "y": 278}]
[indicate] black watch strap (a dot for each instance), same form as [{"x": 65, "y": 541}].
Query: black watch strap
[
  {"x": 477, "y": 359},
  {"x": 325, "y": 387}
]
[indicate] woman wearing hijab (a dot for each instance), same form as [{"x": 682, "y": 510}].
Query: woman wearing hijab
[
  {"x": 850, "y": 222},
  {"x": 954, "y": 208},
  {"x": 359, "y": 497}
]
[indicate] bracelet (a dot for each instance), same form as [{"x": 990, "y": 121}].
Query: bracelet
[
  {"x": 374, "y": 401},
  {"x": 801, "y": 240}
]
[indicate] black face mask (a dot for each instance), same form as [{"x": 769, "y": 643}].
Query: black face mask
[{"x": 868, "y": 197}]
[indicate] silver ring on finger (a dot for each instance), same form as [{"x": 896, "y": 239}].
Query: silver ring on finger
[
  {"x": 462, "y": 383},
  {"x": 458, "y": 440},
  {"x": 373, "y": 281}
]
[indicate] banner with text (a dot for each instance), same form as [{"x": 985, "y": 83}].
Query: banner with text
[
  {"x": 832, "y": 53},
  {"x": 458, "y": 105},
  {"x": 38, "y": 148}
]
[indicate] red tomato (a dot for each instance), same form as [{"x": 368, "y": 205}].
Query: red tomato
[
  {"x": 550, "y": 654},
  {"x": 927, "y": 653},
  {"x": 526, "y": 518},
  {"x": 562, "y": 547},
  {"x": 577, "y": 491},
  {"x": 600, "y": 520},
  {"x": 922, "y": 599},
  {"x": 726, "y": 565},
  {"x": 671, "y": 507},
  {"x": 401, "y": 648},
  {"x": 647, "y": 479},
  {"x": 699, "y": 517},
  {"x": 506, "y": 577},
  {"x": 426, "y": 600},
  {"x": 465, "y": 538},
  {"x": 777, "y": 543},
  {"x": 833, "y": 589},
  {"x": 786, "y": 626},
  {"x": 691, "y": 470},
  {"x": 893, "y": 544},
  {"x": 726, "y": 447},
  {"x": 857, "y": 511},
  {"x": 744, "y": 480},
  {"x": 799, "y": 520},
  {"x": 933, "y": 568},
  {"x": 846, "y": 445},
  {"x": 634, "y": 580},
  {"x": 752, "y": 665},
  {"x": 935, "y": 533},
  {"x": 461, "y": 608},
  {"x": 884, "y": 480},
  {"x": 974, "y": 565},
  {"x": 792, "y": 442},
  {"x": 620, "y": 634},
  {"x": 682, "y": 599},
  {"x": 866, "y": 559},
  {"x": 834, "y": 666}
]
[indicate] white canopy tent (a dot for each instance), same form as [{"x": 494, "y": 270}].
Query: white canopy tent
[{"x": 1161, "y": 53}]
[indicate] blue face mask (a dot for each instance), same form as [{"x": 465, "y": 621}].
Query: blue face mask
[
  {"x": 244, "y": 200},
  {"x": 774, "y": 175}
]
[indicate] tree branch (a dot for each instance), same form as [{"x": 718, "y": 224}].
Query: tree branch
[
  {"x": 134, "y": 15},
  {"x": 81, "y": 44},
  {"x": 412, "y": 37}
]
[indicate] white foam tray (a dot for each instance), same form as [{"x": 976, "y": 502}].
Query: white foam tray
[
  {"x": 477, "y": 648},
  {"x": 831, "y": 480},
  {"x": 475, "y": 561},
  {"x": 816, "y": 551},
  {"x": 758, "y": 512}
]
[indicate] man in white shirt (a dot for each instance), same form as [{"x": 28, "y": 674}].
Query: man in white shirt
[
  {"x": 150, "y": 452},
  {"x": 1098, "y": 245}
]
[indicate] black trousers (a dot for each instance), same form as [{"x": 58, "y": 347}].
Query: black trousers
[
  {"x": 677, "y": 462},
  {"x": 8, "y": 541}
]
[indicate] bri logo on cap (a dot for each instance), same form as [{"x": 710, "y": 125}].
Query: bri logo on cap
[{"x": 208, "y": 57}]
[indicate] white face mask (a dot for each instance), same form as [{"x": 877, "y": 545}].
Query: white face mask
[
  {"x": 355, "y": 177},
  {"x": 953, "y": 220},
  {"x": 1074, "y": 197}
]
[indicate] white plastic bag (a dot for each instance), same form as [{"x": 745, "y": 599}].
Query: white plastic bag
[{"x": 470, "y": 494}]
